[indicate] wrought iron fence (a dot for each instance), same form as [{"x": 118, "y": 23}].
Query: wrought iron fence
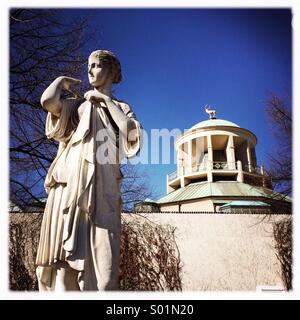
[
  {"x": 223, "y": 165},
  {"x": 252, "y": 169},
  {"x": 215, "y": 165},
  {"x": 258, "y": 170}
]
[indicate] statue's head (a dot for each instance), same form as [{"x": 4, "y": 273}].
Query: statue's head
[{"x": 110, "y": 62}]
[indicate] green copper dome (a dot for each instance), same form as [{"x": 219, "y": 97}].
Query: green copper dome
[{"x": 214, "y": 122}]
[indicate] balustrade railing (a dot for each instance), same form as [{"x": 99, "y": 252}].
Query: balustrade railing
[
  {"x": 257, "y": 170},
  {"x": 172, "y": 176},
  {"x": 252, "y": 174},
  {"x": 215, "y": 165},
  {"x": 223, "y": 165},
  {"x": 196, "y": 168}
]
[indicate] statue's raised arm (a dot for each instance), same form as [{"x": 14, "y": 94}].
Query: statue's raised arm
[{"x": 51, "y": 98}]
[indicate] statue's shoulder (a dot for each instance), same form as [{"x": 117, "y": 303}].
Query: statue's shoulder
[
  {"x": 81, "y": 104},
  {"x": 123, "y": 105}
]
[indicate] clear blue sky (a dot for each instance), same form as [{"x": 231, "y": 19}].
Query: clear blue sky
[{"x": 175, "y": 61}]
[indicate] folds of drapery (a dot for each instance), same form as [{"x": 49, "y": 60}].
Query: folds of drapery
[{"x": 83, "y": 196}]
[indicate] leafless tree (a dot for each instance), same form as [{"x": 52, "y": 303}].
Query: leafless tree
[
  {"x": 284, "y": 249},
  {"x": 280, "y": 163},
  {"x": 135, "y": 186},
  {"x": 280, "y": 118},
  {"x": 44, "y": 46},
  {"x": 24, "y": 233},
  {"x": 153, "y": 248}
]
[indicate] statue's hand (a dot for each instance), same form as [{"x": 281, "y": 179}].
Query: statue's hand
[
  {"x": 96, "y": 96},
  {"x": 67, "y": 82},
  {"x": 51, "y": 99}
]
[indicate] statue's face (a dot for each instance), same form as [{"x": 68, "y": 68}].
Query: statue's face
[{"x": 98, "y": 72}]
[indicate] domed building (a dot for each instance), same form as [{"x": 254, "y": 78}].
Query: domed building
[{"x": 217, "y": 171}]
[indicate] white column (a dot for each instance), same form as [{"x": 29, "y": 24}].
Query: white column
[
  {"x": 182, "y": 165},
  {"x": 209, "y": 148},
  {"x": 169, "y": 188},
  {"x": 249, "y": 156},
  {"x": 210, "y": 159},
  {"x": 262, "y": 171},
  {"x": 240, "y": 176},
  {"x": 230, "y": 153},
  {"x": 178, "y": 160},
  {"x": 190, "y": 156}
]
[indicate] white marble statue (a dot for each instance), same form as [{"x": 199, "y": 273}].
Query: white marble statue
[{"x": 80, "y": 234}]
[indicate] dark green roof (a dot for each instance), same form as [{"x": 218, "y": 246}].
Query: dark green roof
[
  {"x": 146, "y": 201},
  {"x": 245, "y": 203},
  {"x": 219, "y": 189}
]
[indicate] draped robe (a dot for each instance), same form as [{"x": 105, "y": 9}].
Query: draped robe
[{"x": 81, "y": 223}]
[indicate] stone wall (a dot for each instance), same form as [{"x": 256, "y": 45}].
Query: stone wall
[
  {"x": 225, "y": 251},
  {"x": 149, "y": 260},
  {"x": 218, "y": 252}
]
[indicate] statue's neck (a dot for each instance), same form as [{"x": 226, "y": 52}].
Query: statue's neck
[{"x": 105, "y": 90}]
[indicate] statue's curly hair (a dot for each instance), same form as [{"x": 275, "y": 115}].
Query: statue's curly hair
[{"x": 113, "y": 62}]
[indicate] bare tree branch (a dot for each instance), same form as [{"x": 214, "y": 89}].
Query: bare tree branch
[
  {"x": 280, "y": 160},
  {"x": 42, "y": 46}
]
